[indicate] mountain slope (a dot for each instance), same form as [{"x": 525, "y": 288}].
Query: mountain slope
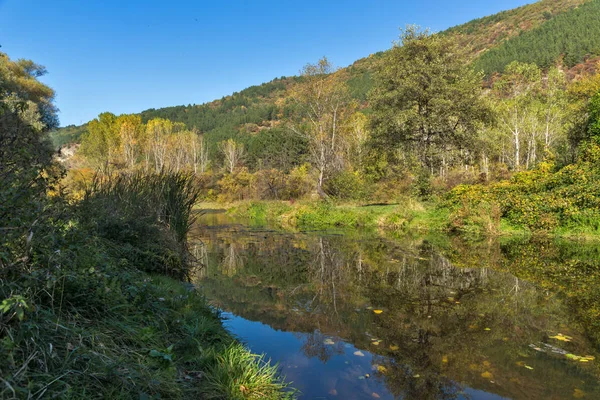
[
  {"x": 487, "y": 32},
  {"x": 572, "y": 36}
]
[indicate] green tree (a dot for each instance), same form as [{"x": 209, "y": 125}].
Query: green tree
[
  {"x": 26, "y": 169},
  {"x": 426, "y": 98}
]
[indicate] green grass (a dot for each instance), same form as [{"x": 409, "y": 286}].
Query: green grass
[{"x": 405, "y": 216}]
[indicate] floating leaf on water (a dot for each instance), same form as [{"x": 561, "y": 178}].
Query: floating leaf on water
[
  {"x": 361, "y": 377},
  {"x": 346, "y": 362},
  {"x": 561, "y": 337},
  {"x": 359, "y": 353},
  {"x": 377, "y": 311},
  {"x": 347, "y": 345},
  {"x": 328, "y": 341},
  {"x": 367, "y": 375},
  {"x": 333, "y": 392},
  {"x": 375, "y": 395},
  {"x": 393, "y": 347}
]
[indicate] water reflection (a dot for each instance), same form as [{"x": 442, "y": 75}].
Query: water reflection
[{"x": 377, "y": 318}]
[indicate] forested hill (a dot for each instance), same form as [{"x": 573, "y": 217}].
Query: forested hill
[{"x": 542, "y": 33}]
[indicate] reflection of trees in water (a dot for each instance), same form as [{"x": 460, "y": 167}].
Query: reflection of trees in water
[
  {"x": 313, "y": 345},
  {"x": 430, "y": 307},
  {"x": 232, "y": 260},
  {"x": 200, "y": 257}
]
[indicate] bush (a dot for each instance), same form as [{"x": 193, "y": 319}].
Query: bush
[
  {"x": 236, "y": 186},
  {"x": 541, "y": 200},
  {"x": 149, "y": 216},
  {"x": 348, "y": 185}
]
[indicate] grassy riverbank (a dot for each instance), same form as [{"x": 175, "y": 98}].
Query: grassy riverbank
[
  {"x": 97, "y": 305},
  {"x": 406, "y": 217}
]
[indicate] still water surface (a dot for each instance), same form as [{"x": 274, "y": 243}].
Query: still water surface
[{"x": 358, "y": 316}]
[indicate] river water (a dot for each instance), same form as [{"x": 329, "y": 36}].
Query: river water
[{"x": 360, "y": 316}]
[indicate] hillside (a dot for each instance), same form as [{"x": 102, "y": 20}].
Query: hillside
[
  {"x": 571, "y": 37},
  {"x": 532, "y": 33},
  {"x": 487, "y": 32}
]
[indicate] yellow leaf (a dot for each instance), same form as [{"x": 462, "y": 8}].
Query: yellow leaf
[
  {"x": 561, "y": 337},
  {"x": 578, "y": 393},
  {"x": 381, "y": 368},
  {"x": 445, "y": 359},
  {"x": 487, "y": 375},
  {"x": 377, "y": 311},
  {"x": 393, "y": 347},
  {"x": 528, "y": 367}
]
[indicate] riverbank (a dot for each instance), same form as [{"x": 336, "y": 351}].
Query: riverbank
[
  {"x": 405, "y": 217},
  {"x": 98, "y": 306}
]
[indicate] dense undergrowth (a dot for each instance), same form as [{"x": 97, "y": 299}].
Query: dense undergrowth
[
  {"x": 96, "y": 307},
  {"x": 563, "y": 202}
]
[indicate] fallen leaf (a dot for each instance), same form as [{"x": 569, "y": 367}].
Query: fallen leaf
[
  {"x": 359, "y": 353},
  {"x": 393, "y": 347},
  {"x": 578, "y": 394},
  {"x": 487, "y": 329},
  {"x": 445, "y": 359},
  {"x": 375, "y": 395},
  {"x": 376, "y": 343},
  {"x": 381, "y": 368},
  {"x": 377, "y": 311},
  {"x": 561, "y": 337},
  {"x": 487, "y": 375},
  {"x": 528, "y": 367},
  {"x": 328, "y": 341}
]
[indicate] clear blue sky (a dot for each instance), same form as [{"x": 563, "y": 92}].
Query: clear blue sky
[{"x": 126, "y": 56}]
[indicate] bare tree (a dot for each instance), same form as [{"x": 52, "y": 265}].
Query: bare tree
[
  {"x": 199, "y": 152},
  {"x": 324, "y": 106},
  {"x": 233, "y": 154}
]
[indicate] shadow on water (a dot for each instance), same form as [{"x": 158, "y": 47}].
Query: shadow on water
[{"x": 417, "y": 318}]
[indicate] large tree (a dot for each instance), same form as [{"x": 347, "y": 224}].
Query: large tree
[{"x": 426, "y": 98}]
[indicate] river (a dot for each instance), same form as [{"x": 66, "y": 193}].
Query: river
[{"x": 357, "y": 315}]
